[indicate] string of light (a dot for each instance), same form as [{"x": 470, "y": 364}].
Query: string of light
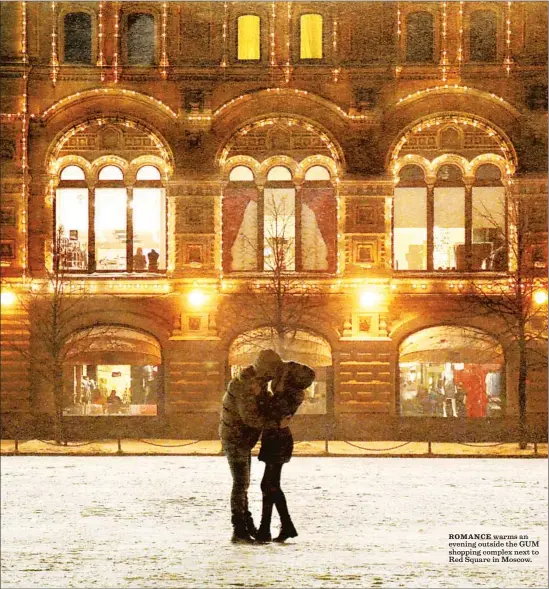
[
  {"x": 288, "y": 69},
  {"x": 164, "y": 62},
  {"x": 101, "y": 52},
  {"x": 398, "y": 67},
  {"x": 224, "y": 33},
  {"x": 54, "y": 62},
  {"x": 460, "y": 38},
  {"x": 115, "y": 64},
  {"x": 336, "y": 70},
  {"x": 24, "y": 135},
  {"x": 508, "y": 61},
  {"x": 444, "y": 50},
  {"x": 272, "y": 35}
]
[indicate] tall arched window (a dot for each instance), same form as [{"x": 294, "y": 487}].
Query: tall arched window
[
  {"x": 311, "y": 26},
  {"x": 249, "y": 37},
  {"x": 77, "y": 31},
  {"x": 420, "y": 45},
  {"x": 111, "y": 227},
  {"x": 448, "y": 218},
  {"x": 140, "y": 39},
  {"x": 410, "y": 220},
  {"x": 489, "y": 237},
  {"x": 483, "y": 36}
]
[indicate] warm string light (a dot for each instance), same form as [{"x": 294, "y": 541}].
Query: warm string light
[
  {"x": 24, "y": 134},
  {"x": 101, "y": 54},
  {"x": 53, "y": 166},
  {"x": 460, "y": 42},
  {"x": 115, "y": 91},
  {"x": 115, "y": 65},
  {"x": 508, "y": 62},
  {"x": 224, "y": 33},
  {"x": 287, "y": 68},
  {"x": 272, "y": 35},
  {"x": 444, "y": 50},
  {"x": 164, "y": 63},
  {"x": 24, "y": 32},
  {"x": 54, "y": 60},
  {"x": 398, "y": 67},
  {"x": 336, "y": 70},
  {"x": 458, "y": 119}
]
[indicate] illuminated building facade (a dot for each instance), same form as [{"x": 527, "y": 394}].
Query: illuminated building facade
[{"x": 185, "y": 152}]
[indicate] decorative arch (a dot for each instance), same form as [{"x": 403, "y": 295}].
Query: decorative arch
[
  {"x": 108, "y": 160},
  {"x": 277, "y": 160},
  {"x": 240, "y": 160},
  {"x": 316, "y": 160}
]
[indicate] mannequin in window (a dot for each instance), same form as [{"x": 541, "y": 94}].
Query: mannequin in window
[
  {"x": 153, "y": 256},
  {"x": 139, "y": 260}
]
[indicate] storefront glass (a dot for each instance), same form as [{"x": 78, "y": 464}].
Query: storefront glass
[{"x": 451, "y": 372}]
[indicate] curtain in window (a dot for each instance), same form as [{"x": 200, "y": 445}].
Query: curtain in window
[
  {"x": 249, "y": 37},
  {"x": 239, "y": 229},
  {"x": 311, "y": 36},
  {"x": 318, "y": 229}
]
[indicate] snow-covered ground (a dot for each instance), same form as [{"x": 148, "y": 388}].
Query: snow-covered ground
[{"x": 163, "y": 522}]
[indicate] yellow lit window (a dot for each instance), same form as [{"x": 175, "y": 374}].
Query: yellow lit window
[
  {"x": 249, "y": 37},
  {"x": 311, "y": 36}
]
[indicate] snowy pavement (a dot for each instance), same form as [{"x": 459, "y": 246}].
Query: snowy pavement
[{"x": 163, "y": 522}]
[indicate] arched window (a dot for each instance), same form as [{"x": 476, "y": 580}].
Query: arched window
[
  {"x": 71, "y": 219},
  {"x": 489, "y": 237},
  {"x": 279, "y": 173},
  {"x": 140, "y": 39},
  {"x": 241, "y": 174},
  {"x": 483, "y": 36},
  {"x": 77, "y": 30},
  {"x": 317, "y": 173},
  {"x": 410, "y": 220},
  {"x": 451, "y": 372},
  {"x": 127, "y": 225},
  {"x": 420, "y": 37},
  {"x": 249, "y": 37},
  {"x": 311, "y": 26}
]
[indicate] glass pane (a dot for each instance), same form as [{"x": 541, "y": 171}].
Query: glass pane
[
  {"x": 114, "y": 389},
  {"x": 311, "y": 36},
  {"x": 71, "y": 210},
  {"x": 73, "y": 173},
  {"x": 110, "y": 228},
  {"x": 111, "y": 173},
  {"x": 249, "y": 37},
  {"x": 317, "y": 173},
  {"x": 148, "y": 173},
  {"x": 140, "y": 39},
  {"x": 410, "y": 221},
  {"x": 489, "y": 250},
  {"x": 149, "y": 237},
  {"x": 419, "y": 38},
  {"x": 279, "y": 173},
  {"x": 449, "y": 229},
  {"x": 78, "y": 38},
  {"x": 483, "y": 36},
  {"x": 242, "y": 174},
  {"x": 279, "y": 229}
]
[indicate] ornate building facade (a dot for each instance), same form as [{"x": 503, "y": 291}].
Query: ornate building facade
[{"x": 199, "y": 161}]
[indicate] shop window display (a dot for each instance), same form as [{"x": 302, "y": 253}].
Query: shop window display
[
  {"x": 451, "y": 372},
  {"x": 105, "y": 389}
]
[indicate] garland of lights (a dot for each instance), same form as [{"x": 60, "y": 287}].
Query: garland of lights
[
  {"x": 398, "y": 67},
  {"x": 54, "y": 62},
  {"x": 224, "y": 33},
  {"x": 272, "y": 35},
  {"x": 508, "y": 62},
  {"x": 164, "y": 63},
  {"x": 288, "y": 69},
  {"x": 105, "y": 91},
  {"x": 101, "y": 52},
  {"x": 444, "y": 50},
  {"x": 115, "y": 64},
  {"x": 24, "y": 134},
  {"x": 460, "y": 41},
  {"x": 336, "y": 70}
]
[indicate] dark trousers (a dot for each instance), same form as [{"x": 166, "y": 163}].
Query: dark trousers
[
  {"x": 240, "y": 471},
  {"x": 273, "y": 496}
]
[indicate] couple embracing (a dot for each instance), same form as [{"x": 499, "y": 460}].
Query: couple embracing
[{"x": 251, "y": 411}]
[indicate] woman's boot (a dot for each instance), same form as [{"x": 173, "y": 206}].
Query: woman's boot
[
  {"x": 264, "y": 532},
  {"x": 287, "y": 529}
]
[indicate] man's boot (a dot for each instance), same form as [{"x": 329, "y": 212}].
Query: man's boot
[
  {"x": 250, "y": 526},
  {"x": 240, "y": 530}
]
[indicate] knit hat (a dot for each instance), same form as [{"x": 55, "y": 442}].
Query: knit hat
[{"x": 266, "y": 363}]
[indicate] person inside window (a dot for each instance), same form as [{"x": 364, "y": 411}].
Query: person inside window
[
  {"x": 139, "y": 260},
  {"x": 153, "y": 256}
]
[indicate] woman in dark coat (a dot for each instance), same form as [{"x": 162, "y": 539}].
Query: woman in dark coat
[{"x": 277, "y": 444}]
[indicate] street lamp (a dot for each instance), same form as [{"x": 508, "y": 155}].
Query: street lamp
[
  {"x": 540, "y": 296},
  {"x": 369, "y": 299},
  {"x": 196, "y": 298},
  {"x": 7, "y": 298}
]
